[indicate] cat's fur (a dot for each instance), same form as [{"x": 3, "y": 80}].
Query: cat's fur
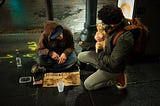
[{"x": 102, "y": 34}]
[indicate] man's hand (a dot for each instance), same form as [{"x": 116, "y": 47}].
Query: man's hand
[
  {"x": 62, "y": 58},
  {"x": 55, "y": 56}
]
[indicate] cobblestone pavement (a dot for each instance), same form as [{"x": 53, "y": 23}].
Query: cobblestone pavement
[{"x": 17, "y": 15}]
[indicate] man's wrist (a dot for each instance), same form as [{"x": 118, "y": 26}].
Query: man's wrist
[{"x": 50, "y": 53}]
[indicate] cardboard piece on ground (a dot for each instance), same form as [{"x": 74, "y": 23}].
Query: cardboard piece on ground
[{"x": 69, "y": 79}]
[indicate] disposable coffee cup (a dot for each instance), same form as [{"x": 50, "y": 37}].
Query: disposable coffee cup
[{"x": 60, "y": 86}]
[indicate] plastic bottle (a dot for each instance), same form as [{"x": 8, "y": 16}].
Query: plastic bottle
[{"x": 18, "y": 60}]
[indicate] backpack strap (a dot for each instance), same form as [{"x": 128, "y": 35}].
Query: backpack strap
[
  {"x": 126, "y": 28},
  {"x": 135, "y": 23},
  {"x": 117, "y": 36}
]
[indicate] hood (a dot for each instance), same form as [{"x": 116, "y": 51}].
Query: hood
[{"x": 51, "y": 25}]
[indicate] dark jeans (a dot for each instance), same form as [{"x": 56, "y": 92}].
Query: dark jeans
[{"x": 48, "y": 62}]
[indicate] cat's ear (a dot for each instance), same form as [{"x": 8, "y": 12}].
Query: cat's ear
[{"x": 96, "y": 24}]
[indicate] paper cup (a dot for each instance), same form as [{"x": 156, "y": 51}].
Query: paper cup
[{"x": 60, "y": 86}]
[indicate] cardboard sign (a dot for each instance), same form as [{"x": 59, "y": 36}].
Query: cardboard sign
[{"x": 69, "y": 79}]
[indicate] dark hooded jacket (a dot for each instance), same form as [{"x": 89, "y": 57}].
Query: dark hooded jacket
[{"x": 46, "y": 45}]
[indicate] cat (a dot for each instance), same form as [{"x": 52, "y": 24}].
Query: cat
[{"x": 102, "y": 34}]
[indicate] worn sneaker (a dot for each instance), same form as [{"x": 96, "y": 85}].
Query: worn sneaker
[
  {"x": 39, "y": 82},
  {"x": 121, "y": 81},
  {"x": 36, "y": 68},
  {"x": 38, "y": 79}
]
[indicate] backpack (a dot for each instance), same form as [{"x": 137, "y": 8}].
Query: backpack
[{"x": 140, "y": 35}]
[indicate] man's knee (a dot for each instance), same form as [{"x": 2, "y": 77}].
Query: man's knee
[
  {"x": 88, "y": 86},
  {"x": 80, "y": 56}
]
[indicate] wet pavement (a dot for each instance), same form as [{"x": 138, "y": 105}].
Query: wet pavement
[
  {"x": 143, "y": 81},
  {"x": 143, "y": 77},
  {"x": 19, "y": 15}
]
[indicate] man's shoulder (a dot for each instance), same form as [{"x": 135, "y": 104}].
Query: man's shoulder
[{"x": 125, "y": 36}]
